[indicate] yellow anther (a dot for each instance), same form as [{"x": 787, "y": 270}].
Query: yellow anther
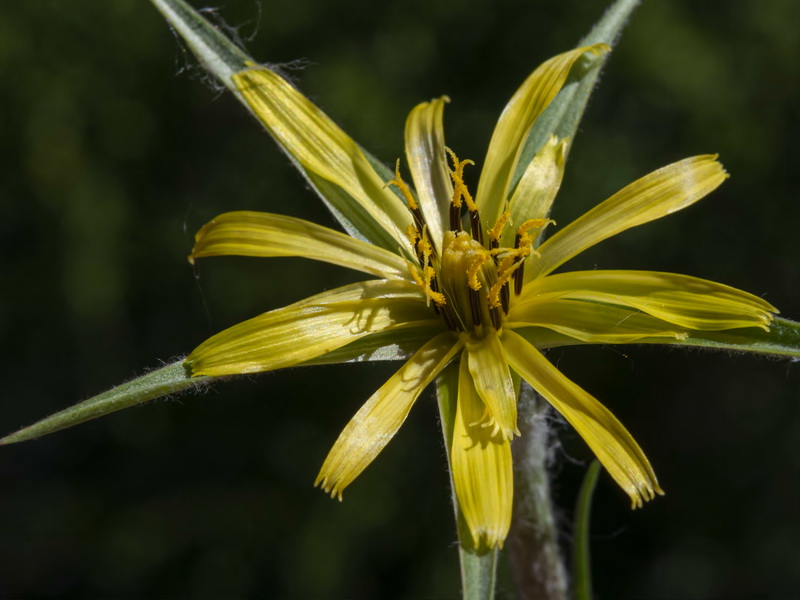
[
  {"x": 412, "y": 234},
  {"x": 403, "y": 187},
  {"x": 474, "y": 268},
  {"x": 430, "y": 273},
  {"x": 496, "y": 231},
  {"x": 494, "y": 293},
  {"x": 509, "y": 260},
  {"x": 414, "y": 271},
  {"x": 512, "y": 260},
  {"x": 424, "y": 246}
]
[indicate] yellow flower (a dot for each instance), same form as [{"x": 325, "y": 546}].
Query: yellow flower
[{"x": 462, "y": 280}]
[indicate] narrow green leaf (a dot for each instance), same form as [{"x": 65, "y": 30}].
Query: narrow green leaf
[
  {"x": 164, "y": 381},
  {"x": 563, "y": 115},
  {"x": 581, "y": 558},
  {"x": 782, "y": 339},
  {"x": 478, "y": 571}
]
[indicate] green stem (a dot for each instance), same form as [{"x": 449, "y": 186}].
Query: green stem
[
  {"x": 532, "y": 544},
  {"x": 581, "y": 556}
]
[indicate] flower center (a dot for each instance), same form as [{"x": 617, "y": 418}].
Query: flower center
[{"x": 470, "y": 284}]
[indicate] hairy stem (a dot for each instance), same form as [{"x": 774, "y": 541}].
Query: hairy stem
[{"x": 532, "y": 544}]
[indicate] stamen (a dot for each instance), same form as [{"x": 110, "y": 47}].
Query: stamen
[
  {"x": 425, "y": 248},
  {"x": 403, "y": 187},
  {"x": 510, "y": 263},
  {"x": 505, "y": 299},
  {"x": 455, "y": 218},
  {"x": 475, "y": 225},
  {"x": 413, "y": 235},
  {"x": 497, "y": 319},
  {"x": 524, "y": 240},
  {"x": 496, "y": 232},
  {"x": 475, "y": 307},
  {"x": 427, "y": 282},
  {"x": 519, "y": 279},
  {"x": 459, "y": 187},
  {"x": 430, "y": 275},
  {"x": 413, "y": 207},
  {"x": 461, "y": 193}
]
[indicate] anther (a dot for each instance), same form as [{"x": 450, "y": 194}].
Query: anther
[
  {"x": 505, "y": 300},
  {"x": 497, "y": 320},
  {"x": 523, "y": 240},
  {"x": 475, "y": 307},
  {"x": 475, "y": 224},
  {"x": 455, "y": 218},
  {"x": 519, "y": 279}
]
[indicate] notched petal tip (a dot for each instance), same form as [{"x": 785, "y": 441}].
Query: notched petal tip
[
  {"x": 334, "y": 491},
  {"x": 643, "y": 491}
]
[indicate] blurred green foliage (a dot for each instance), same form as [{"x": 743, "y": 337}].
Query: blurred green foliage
[{"x": 115, "y": 149}]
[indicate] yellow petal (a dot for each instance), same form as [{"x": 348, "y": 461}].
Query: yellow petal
[
  {"x": 325, "y": 151},
  {"x": 492, "y": 379},
  {"x": 246, "y": 233},
  {"x": 382, "y": 415},
  {"x": 426, "y": 159},
  {"x": 515, "y": 122},
  {"x": 609, "y": 440},
  {"x": 656, "y": 195},
  {"x": 311, "y": 328},
  {"x": 482, "y": 469},
  {"x": 536, "y": 190},
  {"x": 591, "y": 322},
  {"x": 680, "y": 299}
]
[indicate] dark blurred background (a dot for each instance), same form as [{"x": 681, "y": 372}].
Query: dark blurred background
[{"x": 115, "y": 150}]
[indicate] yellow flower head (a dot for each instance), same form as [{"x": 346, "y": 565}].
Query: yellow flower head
[{"x": 459, "y": 278}]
